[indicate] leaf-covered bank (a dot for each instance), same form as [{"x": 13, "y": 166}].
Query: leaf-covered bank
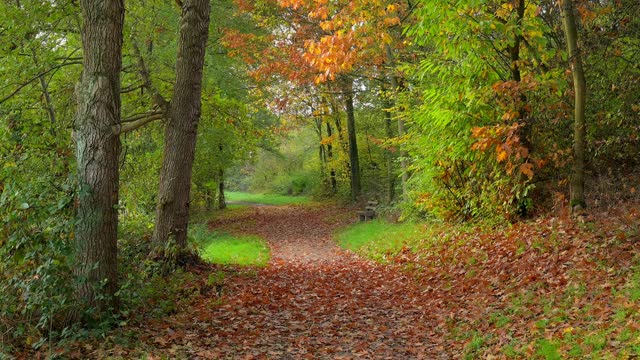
[{"x": 548, "y": 288}]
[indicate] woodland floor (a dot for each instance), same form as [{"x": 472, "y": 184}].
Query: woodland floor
[
  {"x": 546, "y": 288},
  {"x": 313, "y": 300}
]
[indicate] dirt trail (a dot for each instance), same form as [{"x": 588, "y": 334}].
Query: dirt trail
[
  {"x": 313, "y": 301},
  {"x": 299, "y": 235}
]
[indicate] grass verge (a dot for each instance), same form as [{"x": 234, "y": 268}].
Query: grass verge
[
  {"x": 266, "y": 199},
  {"x": 378, "y": 239},
  {"x": 226, "y": 249}
]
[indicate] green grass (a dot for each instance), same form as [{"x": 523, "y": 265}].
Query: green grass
[
  {"x": 377, "y": 238},
  {"x": 227, "y": 249},
  {"x": 267, "y": 199}
]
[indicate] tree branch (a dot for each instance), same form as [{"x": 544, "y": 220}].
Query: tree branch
[
  {"x": 139, "y": 116},
  {"x": 136, "y": 122},
  {"x": 157, "y": 98},
  {"x": 35, "y": 78},
  {"x": 130, "y": 88}
]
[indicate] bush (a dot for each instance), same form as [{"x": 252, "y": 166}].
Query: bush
[{"x": 35, "y": 244}]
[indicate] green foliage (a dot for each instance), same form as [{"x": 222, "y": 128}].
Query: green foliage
[
  {"x": 35, "y": 245},
  {"x": 226, "y": 249},
  {"x": 289, "y": 169},
  {"x": 468, "y": 117},
  {"x": 467, "y": 84},
  {"x": 37, "y": 188},
  {"x": 613, "y": 110}
]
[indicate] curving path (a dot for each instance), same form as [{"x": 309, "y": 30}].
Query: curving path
[{"x": 313, "y": 301}]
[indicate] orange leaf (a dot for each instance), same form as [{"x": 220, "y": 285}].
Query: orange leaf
[
  {"x": 502, "y": 155},
  {"x": 527, "y": 169}
]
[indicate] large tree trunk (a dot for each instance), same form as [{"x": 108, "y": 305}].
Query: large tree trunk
[
  {"x": 580, "y": 88},
  {"x": 181, "y": 126},
  {"x": 351, "y": 135},
  {"x": 97, "y": 151}
]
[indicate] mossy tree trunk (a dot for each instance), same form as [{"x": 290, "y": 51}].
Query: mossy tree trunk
[
  {"x": 97, "y": 151},
  {"x": 580, "y": 89}
]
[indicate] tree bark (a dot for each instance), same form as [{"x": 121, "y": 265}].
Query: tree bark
[
  {"x": 97, "y": 151},
  {"x": 208, "y": 204},
  {"x": 332, "y": 170},
  {"x": 391, "y": 177},
  {"x": 222, "y": 202},
  {"x": 580, "y": 88},
  {"x": 351, "y": 136},
  {"x": 181, "y": 126},
  {"x": 401, "y": 125},
  {"x": 516, "y": 75},
  {"x": 321, "y": 152}
]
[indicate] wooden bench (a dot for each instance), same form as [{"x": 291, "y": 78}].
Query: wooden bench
[{"x": 369, "y": 211}]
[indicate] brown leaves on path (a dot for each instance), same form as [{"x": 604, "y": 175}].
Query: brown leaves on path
[{"x": 313, "y": 301}]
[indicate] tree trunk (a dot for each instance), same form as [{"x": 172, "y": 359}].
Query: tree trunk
[
  {"x": 97, "y": 151},
  {"x": 208, "y": 204},
  {"x": 222, "y": 202},
  {"x": 516, "y": 75},
  {"x": 332, "y": 170},
  {"x": 401, "y": 126},
  {"x": 580, "y": 88},
  {"x": 391, "y": 177},
  {"x": 336, "y": 120},
  {"x": 351, "y": 135},
  {"x": 181, "y": 126},
  {"x": 321, "y": 152}
]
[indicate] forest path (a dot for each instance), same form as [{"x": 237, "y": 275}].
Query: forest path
[{"x": 313, "y": 300}]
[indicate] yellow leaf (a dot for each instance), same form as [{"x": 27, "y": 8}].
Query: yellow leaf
[{"x": 502, "y": 155}]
